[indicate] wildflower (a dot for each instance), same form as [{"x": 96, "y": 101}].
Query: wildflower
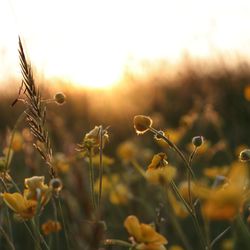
[
  {"x": 224, "y": 202},
  {"x": 112, "y": 187},
  {"x": 175, "y": 247},
  {"x": 106, "y": 160},
  {"x": 92, "y": 140},
  {"x": 60, "y": 98},
  {"x": 120, "y": 195},
  {"x": 247, "y": 92},
  {"x": 17, "y": 142},
  {"x": 198, "y": 141},
  {"x": 213, "y": 172},
  {"x": 127, "y": 151},
  {"x": 51, "y": 227},
  {"x": 32, "y": 185},
  {"x": 158, "y": 171},
  {"x": 22, "y": 207},
  {"x": 142, "y": 123},
  {"x": 61, "y": 163},
  {"x": 144, "y": 235},
  {"x": 35, "y": 192},
  {"x": 245, "y": 155}
]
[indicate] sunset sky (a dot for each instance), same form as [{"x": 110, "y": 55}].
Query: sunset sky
[{"x": 91, "y": 42}]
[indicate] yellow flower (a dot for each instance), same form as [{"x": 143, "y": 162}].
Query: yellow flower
[
  {"x": 106, "y": 160},
  {"x": 51, "y": 227},
  {"x": 159, "y": 172},
  {"x": 23, "y": 208},
  {"x": 145, "y": 236},
  {"x": 120, "y": 195},
  {"x": 93, "y": 137},
  {"x": 127, "y": 151},
  {"x": 213, "y": 172},
  {"x": 17, "y": 142},
  {"x": 61, "y": 163},
  {"x": 117, "y": 192},
  {"x": 225, "y": 202},
  {"x": 175, "y": 247},
  {"x": 142, "y": 123},
  {"x": 158, "y": 161},
  {"x": 247, "y": 92},
  {"x": 92, "y": 140},
  {"x": 34, "y": 185}
]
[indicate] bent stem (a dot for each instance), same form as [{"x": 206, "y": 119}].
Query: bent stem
[
  {"x": 192, "y": 212},
  {"x": 176, "y": 149}
]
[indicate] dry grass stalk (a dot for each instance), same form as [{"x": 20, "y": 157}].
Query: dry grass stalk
[{"x": 36, "y": 112}]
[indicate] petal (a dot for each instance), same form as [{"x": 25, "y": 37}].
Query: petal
[
  {"x": 14, "y": 201},
  {"x": 133, "y": 227},
  {"x": 151, "y": 236}
]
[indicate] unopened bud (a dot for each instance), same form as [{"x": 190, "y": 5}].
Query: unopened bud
[
  {"x": 198, "y": 141},
  {"x": 245, "y": 155},
  {"x": 56, "y": 185},
  {"x": 60, "y": 98}
]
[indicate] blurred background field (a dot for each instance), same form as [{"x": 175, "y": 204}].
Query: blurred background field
[
  {"x": 183, "y": 63},
  {"x": 195, "y": 101}
]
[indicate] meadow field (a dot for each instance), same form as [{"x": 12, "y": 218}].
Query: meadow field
[{"x": 155, "y": 163}]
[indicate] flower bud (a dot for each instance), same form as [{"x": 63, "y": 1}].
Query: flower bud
[
  {"x": 142, "y": 123},
  {"x": 245, "y": 155},
  {"x": 198, "y": 141},
  {"x": 56, "y": 185},
  {"x": 60, "y": 98}
]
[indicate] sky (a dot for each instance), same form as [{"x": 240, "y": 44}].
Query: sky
[{"x": 92, "y": 42}]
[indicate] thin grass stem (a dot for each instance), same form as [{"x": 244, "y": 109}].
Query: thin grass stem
[
  {"x": 64, "y": 224},
  {"x": 176, "y": 149},
  {"x": 100, "y": 166}
]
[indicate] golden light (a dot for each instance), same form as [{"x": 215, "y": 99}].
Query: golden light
[{"x": 90, "y": 43}]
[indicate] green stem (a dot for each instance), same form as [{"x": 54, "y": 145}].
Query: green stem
[
  {"x": 56, "y": 219},
  {"x": 91, "y": 179},
  {"x": 176, "y": 224},
  {"x": 64, "y": 224},
  {"x": 219, "y": 236},
  {"x": 176, "y": 149},
  {"x": 193, "y": 215},
  {"x": 114, "y": 242},
  {"x": 100, "y": 167}
]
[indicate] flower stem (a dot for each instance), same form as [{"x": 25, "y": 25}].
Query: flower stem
[
  {"x": 63, "y": 222},
  {"x": 100, "y": 167},
  {"x": 176, "y": 149},
  {"x": 91, "y": 180},
  {"x": 114, "y": 242}
]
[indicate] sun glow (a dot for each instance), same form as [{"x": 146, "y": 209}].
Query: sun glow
[{"x": 90, "y": 43}]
